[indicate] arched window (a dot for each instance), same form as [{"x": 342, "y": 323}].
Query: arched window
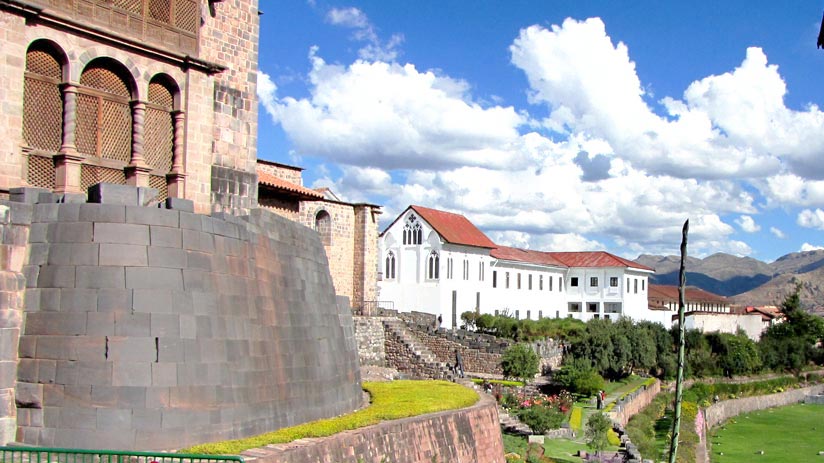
[
  {"x": 412, "y": 231},
  {"x": 159, "y": 129},
  {"x": 433, "y": 266},
  {"x": 389, "y": 274},
  {"x": 104, "y": 118},
  {"x": 323, "y": 225},
  {"x": 42, "y": 102}
]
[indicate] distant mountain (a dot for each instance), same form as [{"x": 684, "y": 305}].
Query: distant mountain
[{"x": 746, "y": 280}]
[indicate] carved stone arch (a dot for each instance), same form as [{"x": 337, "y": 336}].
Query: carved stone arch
[
  {"x": 124, "y": 60},
  {"x": 323, "y": 225},
  {"x": 154, "y": 69},
  {"x": 45, "y": 69}
]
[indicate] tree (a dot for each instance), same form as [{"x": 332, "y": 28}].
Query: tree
[
  {"x": 597, "y": 427},
  {"x": 519, "y": 361},
  {"x": 793, "y": 344},
  {"x": 578, "y": 376},
  {"x": 469, "y": 319}
]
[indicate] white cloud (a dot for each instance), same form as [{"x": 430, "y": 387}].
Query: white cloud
[
  {"x": 810, "y": 247},
  {"x": 747, "y": 224},
  {"x": 811, "y": 219},
  {"x": 267, "y": 92},
  {"x": 778, "y": 233},
  {"x": 374, "y": 49}
]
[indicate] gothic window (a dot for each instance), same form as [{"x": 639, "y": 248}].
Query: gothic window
[
  {"x": 389, "y": 274},
  {"x": 412, "y": 231},
  {"x": 323, "y": 225},
  {"x": 104, "y": 118},
  {"x": 433, "y": 266}
]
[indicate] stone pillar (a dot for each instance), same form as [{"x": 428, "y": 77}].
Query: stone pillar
[
  {"x": 176, "y": 179},
  {"x": 68, "y": 161},
  {"x": 137, "y": 172}
]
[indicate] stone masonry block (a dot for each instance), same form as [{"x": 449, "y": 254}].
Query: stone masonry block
[
  {"x": 167, "y": 257},
  {"x": 78, "y": 300},
  {"x": 190, "y": 221},
  {"x": 100, "y": 324},
  {"x": 38, "y": 254},
  {"x": 108, "y": 418},
  {"x": 123, "y": 255},
  {"x": 121, "y": 233},
  {"x": 164, "y": 374},
  {"x": 166, "y": 237},
  {"x": 94, "y": 374},
  {"x": 49, "y": 299},
  {"x": 185, "y": 205},
  {"x": 170, "y": 350},
  {"x": 154, "y": 278},
  {"x": 70, "y": 232},
  {"x": 108, "y": 193},
  {"x": 39, "y": 232},
  {"x": 98, "y": 277},
  {"x": 153, "y": 216},
  {"x": 132, "y": 374},
  {"x": 51, "y": 324},
  {"x": 68, "y": 213},
  {"x": 102, "y": 213},
  {"x": 45, "y": 213},
  {"x": 73, "y": 254},
  {"x": 165, "y": 325},
  {"x": 56, "y": 276},
  {"x": 199, "y": 261},
  {"x": 109, "y": 300},
  {"x": 198, "y": 241},
  {"x": 27, "y": 195},
  {"x": 132, "y": 324},
  {"x": 153, "y": 300}
]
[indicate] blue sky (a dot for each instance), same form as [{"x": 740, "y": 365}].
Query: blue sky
[{"x": 560, "y": 125}]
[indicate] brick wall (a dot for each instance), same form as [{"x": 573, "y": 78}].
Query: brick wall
[
  {"x": 152, "y": 328},
  {"x": 470, "y": 435}
]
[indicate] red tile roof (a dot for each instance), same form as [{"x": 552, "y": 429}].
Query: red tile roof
[
  {"x": 691, "y": 294},
  {"x": 277, "y": 183},
  {"x": 595, "y": 259},
  {"x": 454, "y": 228},
  {"x": 525, "y": 255}
]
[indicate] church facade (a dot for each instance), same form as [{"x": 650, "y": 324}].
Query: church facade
[{"x": 440, "y": 263}]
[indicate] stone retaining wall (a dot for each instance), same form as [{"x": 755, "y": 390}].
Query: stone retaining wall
[
  {"x": 371, "y": 340},
  {"x": 157, "y": 328},
  {"x": 401, "y": 357},
  {"x": 471, "y": 435},
  {"x": 633, "y": 403}
]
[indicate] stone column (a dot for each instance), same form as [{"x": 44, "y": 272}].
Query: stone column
[
  {"x": 176, "y": 179},
  {"x": 68, "y": 161},
  {"x": 137, "y": 172}
]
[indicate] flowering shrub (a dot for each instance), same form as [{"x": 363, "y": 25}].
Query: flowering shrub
[{"x": 541, "y": 413}]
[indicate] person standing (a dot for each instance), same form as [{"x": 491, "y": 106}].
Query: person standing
[{"x": 459, "y": 369}]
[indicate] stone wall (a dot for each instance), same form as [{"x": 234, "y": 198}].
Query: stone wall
[
  {"x": 471, "y": 435},
  {"x": 150, "y": 328},
  {"x": 726, "y": 409},
  {"x": 371, "y": 340},
  {"x": 633, "y": 403},
  {"x": 401, "y": 356}
]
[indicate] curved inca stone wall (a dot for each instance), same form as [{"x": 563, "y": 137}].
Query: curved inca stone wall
[{"x": 149, "y": 328}]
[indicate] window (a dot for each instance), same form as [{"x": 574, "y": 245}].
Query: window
[
  {"x": 323, "y": 225},
  {"x": 519, "y": 281},
  {"x": 389, "y": 273},
  {"x": 517, "y": 315},
  {"x": 42, "y": 99},
  {"x": 449, "y": 268},
  {"x": 494, "y": 278},
  {"x": 412, "y": 231},
  {"x": 481, "y": 271},
  {"x": 528, "y": 315},
  {"x": 433, "y": 266},
  {"x": 549, "y": 280},
  {"x": 593, "y": 282},
  {"x": 529, "y": 284},
  {"x": 613, "y": 282},
  {"x": 160, "y": 125},
  {"x": 597, "y": 316},
  {"x": 643, "y": 282},
  {"x": 560, "y": 284},
  {"x": 540, "y": 284},
  {"x": 573, "y": 282},
  {"x": 540, "y": 314},
  {"x": 592, "y": 307},
  {"x": 104, "y": 118},
  {"x": 574, "y": 307},
  {"x": 466, "y": 269},
  {"x": 507, "y": 280},
  {"x": 606, "y": 317},
  {"x": 636, "y": 286},
  {"x": 628, "y": 285}
]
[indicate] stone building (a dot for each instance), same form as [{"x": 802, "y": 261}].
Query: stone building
[
  {"x": 349, "y": 231},
  {"x": 157, "y": 93}
]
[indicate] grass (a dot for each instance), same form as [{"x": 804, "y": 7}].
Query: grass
[
  {"x": 502, "y": 382},
  {"x": 791, "y": 433},
  {"x": 390, "y": 401},
  {"x": 576, "y": 418},
  {"x": 559, "y": 450}
]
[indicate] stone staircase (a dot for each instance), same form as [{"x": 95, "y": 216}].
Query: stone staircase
[
  {"x": 511, "y": 424},
  {"x": 411, "y": 357}
]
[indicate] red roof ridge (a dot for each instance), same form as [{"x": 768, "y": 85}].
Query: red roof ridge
[
  {"x": 454, "y": 228},
  {"x": 273, "y": 181}
]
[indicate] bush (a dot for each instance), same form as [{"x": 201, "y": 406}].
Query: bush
[
  {"x": 520, "y": 362},
  {"x": 541, "y": 418},
  {"x": 596, "y": 432},
  {"x": 580, "y": 378}
]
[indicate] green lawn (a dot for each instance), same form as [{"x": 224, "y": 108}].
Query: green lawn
[
  {"x": 787, "y": 434},
  {"x": 559, "y": 450}
]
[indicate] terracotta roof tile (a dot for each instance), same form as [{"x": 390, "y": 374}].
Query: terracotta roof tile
[
  {"x": 525, "y": 255},
  {"x": 277, "y": 183},
  {"x": 454, "y": 228},
  {"x": 691, "y": 294},
  {"x": 596, "y": 259}
]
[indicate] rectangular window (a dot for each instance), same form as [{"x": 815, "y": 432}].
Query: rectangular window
[
  {"x": 480, "y": 271},
  {"x": 540, "y": 283},
  {"x": 561, "y": 284},
  {"x": 519, "y": 281},
  {"x": 574, "y": 307},
  {"x": 593, "y": 282},
  {"x": 627, "y": 285},
  {"x": 549, "y": 280},
  {"x": 517, "y": 315},
  {"x": 529, "y": 283},
  {"x": 573, "y": 282},
  {"x": 466, "y": 269},
  {"x": 496, "y": 312},
  {"x": 592, "y": 307},
  {"x": 449, "y": 268},
  {"x": 636, "y": 286},
  {"x": 540, "y": 314},
  {"x": 528, "y": 315},
  {"x": 643, "y": 282},
  {"x": 606, "y": 317},
  {"x": 494, "y": 278},
  {"x": 507, "y": 280},
  {"x": 613, "y": 282},
  {"x": 597, "y": 316}
]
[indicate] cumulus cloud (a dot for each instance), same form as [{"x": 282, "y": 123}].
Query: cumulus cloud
[
  {"x": 364, "y": 31},
  {"x": 747, "y": 224},
  {"x": 810, "y": 247},
  {"x": 809, "y": 218},
  {"x": 776, "y": 232}
]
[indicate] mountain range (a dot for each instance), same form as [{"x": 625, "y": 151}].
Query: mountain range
[{"x": 745, "y": 280}]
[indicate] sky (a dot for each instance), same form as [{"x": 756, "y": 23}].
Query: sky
[{"x": 559, "y": 125}]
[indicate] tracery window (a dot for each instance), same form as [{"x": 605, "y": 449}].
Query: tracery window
[
  {"x": 433, "y": 266},
  {"x": 412, "y": 231},
  {"x": 389, "y": 273}
]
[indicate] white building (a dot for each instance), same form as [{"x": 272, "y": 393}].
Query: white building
[{"x": 440, "y": 263}]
